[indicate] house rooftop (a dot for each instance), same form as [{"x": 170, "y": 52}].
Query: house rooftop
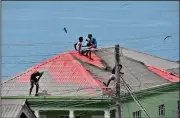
[
  {"x": 12, "y": 108},
  {"x": 69, "y": 74},
  {"x": 136, "y": 73},
  {"x": 174, "y": 71},
  {"x": 145, "y": 58}
]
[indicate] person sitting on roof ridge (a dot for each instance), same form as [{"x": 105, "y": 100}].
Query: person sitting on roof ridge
[
  {"x": 92, "y": 40},
  {"x": 93, "y": 44},
  {"x": 82, "y": 49},
  {"x": 35, "y": 80},
  {"x": 113, "y": 76},
  {"x": 79, "y": 43}
]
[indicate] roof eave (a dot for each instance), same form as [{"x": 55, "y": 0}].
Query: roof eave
[{"x": 152, "y": 91}]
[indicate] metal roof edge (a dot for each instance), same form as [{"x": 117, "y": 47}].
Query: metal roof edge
[
  {"x": 29, "y": 109},
  {"x": 149, "y": 54},
  {"x": 140, "y": 53},
  {"x": 75, "y": 98},
  {"x": 153, "y": 90}
]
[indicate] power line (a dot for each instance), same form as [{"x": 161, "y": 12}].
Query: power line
[
  {"x": 53, "y": 54},
  {"x": 135, "y": 98},
  {"x": 60, "y": 43},
  {"x": 41, "y": 55},
  {"x": 132, "y": 74},
  {"x": 35, "y": 44}
]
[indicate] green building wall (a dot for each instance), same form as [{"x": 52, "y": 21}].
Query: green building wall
[
  {"x": 82, "y": 114},
  {"x": 151, "y": 105}
]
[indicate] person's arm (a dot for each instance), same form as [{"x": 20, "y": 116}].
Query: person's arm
[
  {"x": 40, "y": 75},
  {"x": 87, "y": 40},
  {"x": 108, "y": 68},
  {"x": 113, "y": 70},
  {"x": 79, "y": 50},
  {"x": 75, "y": 46},
  {"x": 94, "y": 43}
]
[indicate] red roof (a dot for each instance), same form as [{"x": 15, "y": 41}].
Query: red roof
[
  {"x": 64, "y": 70},
  {"x": 65, "y": 74},
  {"x": 164, "y": 74},
  {"x": 96, "y": 60}
]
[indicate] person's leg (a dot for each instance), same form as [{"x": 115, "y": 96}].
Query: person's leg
[
  {"x": 87, "y": 53},
  {"x": 112, "y": 77},
  {"x": 90, "y": 51},
  {"x": 37, "y": 88},
  {"x": 84, "y": 51},
  {"x": 90, "y": 55},
  {"x": 32, "y": 85}
]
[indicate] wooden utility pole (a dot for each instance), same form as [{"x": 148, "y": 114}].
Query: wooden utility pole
[{"x": 117, "y": 72}]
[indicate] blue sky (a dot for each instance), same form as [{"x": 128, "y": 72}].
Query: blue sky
[{"x": 137, "y": 25}]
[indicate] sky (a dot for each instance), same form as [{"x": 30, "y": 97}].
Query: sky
[{"x": 32, "y": 31}]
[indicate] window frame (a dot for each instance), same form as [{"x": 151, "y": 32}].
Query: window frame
[
  {"x": 178, "y": 108},
  {"x": 44, "y": 116},
  {"x": 66, "y": 115},
  {"x": 137, "y": 114},
  {"x": 161, "y": 110}
]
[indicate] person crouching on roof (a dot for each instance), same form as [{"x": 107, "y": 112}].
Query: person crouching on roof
[
  {"x": 113, "y": 76},
  {"x": 35, "y": 80},
  {"x": 93, "y": 44}
]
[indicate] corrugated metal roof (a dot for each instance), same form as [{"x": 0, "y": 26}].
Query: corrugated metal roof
[
  {"x": 11, "y": 108},
  {"x": 145, "y": 58},
  {"x": 66, "y": 76},
  {"x": 63, "y": 76},
  {"x": 136, "y": 74},
  {"x": 96, "y": 60},
  {"x": 174, "y": 71}
]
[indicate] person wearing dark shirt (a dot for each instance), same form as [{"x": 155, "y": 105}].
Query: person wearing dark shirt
[
  {"x": 35, "y": 80},
  {"x": 113, "y": 76}
]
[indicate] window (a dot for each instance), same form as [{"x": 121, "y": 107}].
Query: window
[
  {"x": 23, "y": 116},
  {"x": 42, "y": 116},
  {"x": 161, "y": 110},
  {"x": 137, "y": 114},
  {"x": 178, "y": 103},
  {"x": 68, "y": 116},
  {"x": 63, "y": 116}
]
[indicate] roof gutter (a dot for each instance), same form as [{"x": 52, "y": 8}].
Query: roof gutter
[{"x": 152, "y": 91}]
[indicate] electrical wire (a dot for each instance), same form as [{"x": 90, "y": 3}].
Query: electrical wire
[
  {"x": 132, "y": 74},
  {"x": 71, "y": 75},
  {"x": 30, "y": 62},
  {"x": 135, "y": 98},
  {"x": 54, "y": 54},
  {"x": 60, "y": 43}
]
